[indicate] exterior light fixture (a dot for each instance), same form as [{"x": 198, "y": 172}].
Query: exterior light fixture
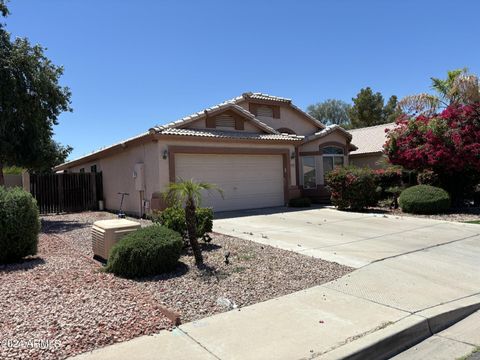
[{"x": 165, "y": 154}]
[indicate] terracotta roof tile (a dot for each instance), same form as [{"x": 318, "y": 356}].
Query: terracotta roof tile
[{"x": 221, "y": 134}]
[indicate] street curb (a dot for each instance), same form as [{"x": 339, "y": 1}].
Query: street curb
[{"x": 405, "y": 333}]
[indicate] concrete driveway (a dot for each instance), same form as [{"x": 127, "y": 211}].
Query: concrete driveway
[{"x": 347, "y": 238}]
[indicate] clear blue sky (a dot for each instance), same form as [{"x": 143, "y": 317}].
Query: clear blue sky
[{"x": 134, "y": 64}]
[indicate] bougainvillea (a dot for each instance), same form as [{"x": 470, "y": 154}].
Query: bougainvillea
[
  {"x": 352, "y": 188},
  {"x": 447, "y": 143}
]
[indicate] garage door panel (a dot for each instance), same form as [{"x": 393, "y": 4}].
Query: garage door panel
[{"x": 248, "y": 181}]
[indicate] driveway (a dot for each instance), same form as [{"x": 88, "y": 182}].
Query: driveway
[{"x": 347, "y": 238}]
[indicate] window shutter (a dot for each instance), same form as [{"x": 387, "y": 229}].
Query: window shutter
[
  {"x": 239, "y": 124},
  {"x": 210, "y": 122},
  {"x": 225, "y": 121},
  {"x": 266, "y": 111},
  {"x": 276, "y": 112}
]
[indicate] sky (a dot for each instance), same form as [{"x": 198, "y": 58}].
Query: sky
[{"x": 134, "y": 64}]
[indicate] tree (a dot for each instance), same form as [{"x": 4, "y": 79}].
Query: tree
[
  {"x": 459, "y": 88},
  {"x": 31, "y": 100},
  {"x": 391, "y": 111},
  {"x": 189, "y": 192},
  {"x": 331, "y": 111},
  {"x": 368, "y": 109},
  {"x": 447, "y": 144}
]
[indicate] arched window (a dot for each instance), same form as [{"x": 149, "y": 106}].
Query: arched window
[
  {"x": 286, "y": 131},
  {"x": 333, "y": 156}
]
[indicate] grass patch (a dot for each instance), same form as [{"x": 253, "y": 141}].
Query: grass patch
[
  {"x": 476, "y": 350},
  {"x": 246, "y": 257},
  {"x": 473, "y": 222}
]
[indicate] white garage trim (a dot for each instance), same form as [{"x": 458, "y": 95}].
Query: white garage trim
[{"x": 270, "y": 165}]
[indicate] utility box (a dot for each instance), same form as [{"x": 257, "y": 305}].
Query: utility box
[
  {"x": 105, "y": 233},
  {"x": 139, "y": 176}
]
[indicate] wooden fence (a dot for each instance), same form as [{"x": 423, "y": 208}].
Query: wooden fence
[{"x": 70, "y": 192}]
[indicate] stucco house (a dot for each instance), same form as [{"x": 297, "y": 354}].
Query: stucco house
[
  {"x": 369, "y": 142},
  {"x": 262, "y": 150}
]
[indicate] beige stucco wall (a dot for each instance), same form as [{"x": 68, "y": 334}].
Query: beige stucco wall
[
  {"x": 289, "y": 118},
  {"x": 117, "y": 170},
  {"x": 117, "y": 173},
  {"x": 373, "y": 161}
]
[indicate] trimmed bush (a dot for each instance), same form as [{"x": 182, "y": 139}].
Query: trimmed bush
[
  {"x": 300, "y": 202},
  {"x": 174, "y": 218},
  {"x": 352, "y": 188},
  {"x": 424, "y": 199},
  {"x": 19, "y": 225},
  {"x": 147, "y": 251}
]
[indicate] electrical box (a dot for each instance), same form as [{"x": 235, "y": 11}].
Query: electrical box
[
  {"x": 139, "y": 176},
  {"x": 105, "y": 233}
]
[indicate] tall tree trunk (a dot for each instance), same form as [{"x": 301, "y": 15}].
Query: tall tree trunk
[
  {"x": 2, "y": 179},
  {"x": 192, "y": 231}
]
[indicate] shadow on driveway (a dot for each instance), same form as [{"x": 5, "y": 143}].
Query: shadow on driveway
[{"x": 264, "y": 211}]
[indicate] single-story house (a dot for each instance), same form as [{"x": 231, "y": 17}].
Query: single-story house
[
  {"x": 262, "y": 150},
  {"x": 370, "y": 141}
]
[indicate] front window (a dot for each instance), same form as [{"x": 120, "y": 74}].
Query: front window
[
  {"x": 309, "y": 172},
  {"x": 332, "y": 157}
]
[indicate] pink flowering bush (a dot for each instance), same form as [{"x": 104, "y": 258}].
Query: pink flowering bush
[
  {"x": 448, "y": 144},
  {"x": 352, "y": 188}
]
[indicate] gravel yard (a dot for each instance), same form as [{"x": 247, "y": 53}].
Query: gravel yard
[
  {"x": 62, "y": 297},
  {"x": 455, "y": 214}
]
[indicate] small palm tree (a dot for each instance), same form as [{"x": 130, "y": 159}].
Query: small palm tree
[{"x": 189, "y": 193}]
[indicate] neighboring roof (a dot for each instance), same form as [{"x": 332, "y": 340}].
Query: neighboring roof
[
  {"x": 221, "y": 134},
  {"x": 370, "y": 139},
  {"x": 328, "y": 130}
]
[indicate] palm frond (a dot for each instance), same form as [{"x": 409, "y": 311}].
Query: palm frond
[
  {"x": 420, "y": 104},
  {"x": 465, "y": 89}
]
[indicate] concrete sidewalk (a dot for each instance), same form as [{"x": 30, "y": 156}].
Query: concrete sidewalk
[
  {"x": 458, "y": 341},
  {"x": 411, "y": 294}
]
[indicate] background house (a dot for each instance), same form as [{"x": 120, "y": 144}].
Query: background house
[
  {"x": 262, "y": 150},
  {"x": 370, "y": 141}
]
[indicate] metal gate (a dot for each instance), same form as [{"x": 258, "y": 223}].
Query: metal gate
[{"x": 69, "y": 192}]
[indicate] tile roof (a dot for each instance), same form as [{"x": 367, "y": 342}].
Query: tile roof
[
  {"x": 222, "y": 134},
  {"x": 370, "y": 139},
  {"x": 328, "y": 130},
  {"x": 223, "y": 106},
  {"x": 233, "y": 103}
]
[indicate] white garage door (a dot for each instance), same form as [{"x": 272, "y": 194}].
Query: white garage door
[{"x": 248, "y": 181}]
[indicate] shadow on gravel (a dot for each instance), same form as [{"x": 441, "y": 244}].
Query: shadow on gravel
[
  {"x": 180, "y": 270},
  {"x": 26, "y": 264},
  {"x": 61, "y": 226}
]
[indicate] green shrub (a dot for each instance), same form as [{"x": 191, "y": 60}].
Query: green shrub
[
  {"x": 174, "y": 218},
  {"x": 19, "y": 225},
  {"x": 300, "y": 202},
  {"x": 147, "y": 251},
  {"x": 424, "y": 199},
  {"x": 352, "y": 188}
]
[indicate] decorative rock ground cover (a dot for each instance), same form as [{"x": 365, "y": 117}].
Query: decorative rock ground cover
[{"x": 60, "y": 303}]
